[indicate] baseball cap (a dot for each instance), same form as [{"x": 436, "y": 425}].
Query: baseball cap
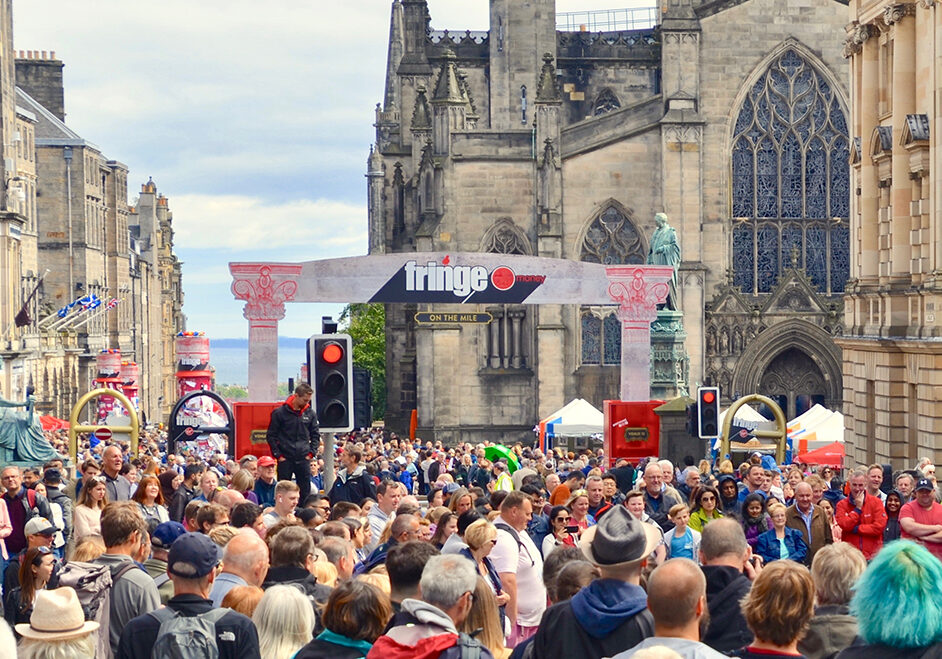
[
  {"x": 39, "y": 526},
  {"x": 165, "y": 534},
  {"x": 266, "y": 461},
  {"x": 193, "y": 556},
  {"x": 924, "y": 484}
]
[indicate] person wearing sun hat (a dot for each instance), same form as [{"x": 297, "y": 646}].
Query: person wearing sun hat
[
  {"x": 57, "y": 620},
  {"x": 610, "y": 614}
]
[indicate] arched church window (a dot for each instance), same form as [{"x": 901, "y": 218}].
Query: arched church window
[
  {"x": 605, "y": 102},
  {"x": 790, "y": 180},
  {"x": 505, "y": 238},
  {"x": 611, "y": 239}
]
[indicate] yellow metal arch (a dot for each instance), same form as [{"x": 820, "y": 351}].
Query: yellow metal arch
[
  {"x": 75, "y": 428},
  {"x": 780, "y": 435}
]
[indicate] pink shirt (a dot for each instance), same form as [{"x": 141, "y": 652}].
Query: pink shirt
[
  {"x": 6, "y": 528},
  {"x": 920, "y": 515}
]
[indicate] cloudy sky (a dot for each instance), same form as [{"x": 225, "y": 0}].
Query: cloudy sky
[{"x": 255, "y": 119}]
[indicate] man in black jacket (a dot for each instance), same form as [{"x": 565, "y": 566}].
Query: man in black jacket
[
  {"x": 293, "y": 435},
  {"x": 292, "y": 558},
  {"x": 191, "y": 566},
  {"x": 610, "y": 614},
  {"x": 186, "y": 492},
  {"x": 352, "y": 484},
  {"x": 725, "y": 557}
]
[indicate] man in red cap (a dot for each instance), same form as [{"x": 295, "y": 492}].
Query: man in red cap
[{"x": 266, "y": 481}]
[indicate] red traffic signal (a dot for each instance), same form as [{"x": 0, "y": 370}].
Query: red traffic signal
[
  {"x": 330, "y": 369},
  {"x": 332, "y": 353},
  {"x": 708, "y": 412}
]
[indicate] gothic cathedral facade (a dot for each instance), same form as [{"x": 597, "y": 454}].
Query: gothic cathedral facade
[{"x": 731, "y": 116}]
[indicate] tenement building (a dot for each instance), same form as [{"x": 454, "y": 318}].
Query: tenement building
[
  {"x": 891, "y": 343},
  {"x": 68, "y": 238},
  {"x": 552, "y": 137}
]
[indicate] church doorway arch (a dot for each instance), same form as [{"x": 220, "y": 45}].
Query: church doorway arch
[
  {"x": 794, "y": 381},
  {"x": 795, "y": 363}
]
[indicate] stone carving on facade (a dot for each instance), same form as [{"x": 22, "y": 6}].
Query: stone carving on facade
[
  {"x": 733, "y": 326},
  {"x": 893, "y": 14},
  {"x": 863, "y": 32},
  {"x": 926, "y": 4},
  {"x": 681, "y": 37},
  {"x": 421, "y": 115},
  {"x": 548, "y": 89},
  {"x": 605, "y": 102},
  {"x": 851, "y": 47},
  {"x": 682, "y": 133}
]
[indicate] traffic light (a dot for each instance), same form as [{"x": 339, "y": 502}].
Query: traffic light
[
  {"x": 708, "y": 412},
  {"x": 330, "y": 365},
  {"x": 362, "y": 398},
  {"x": 692, "y": 424}
]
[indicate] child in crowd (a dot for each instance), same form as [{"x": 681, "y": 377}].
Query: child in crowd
[{"x": 682, "y": 541}]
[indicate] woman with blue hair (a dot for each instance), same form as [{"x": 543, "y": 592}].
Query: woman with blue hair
[{"x": 897, "y": 605}]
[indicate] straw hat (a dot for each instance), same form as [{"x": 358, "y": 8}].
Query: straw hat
[
  {"x": 57, "y": 616},
  {"x": 619, "y": 539}
]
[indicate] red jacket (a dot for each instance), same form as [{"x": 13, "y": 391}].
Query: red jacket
[{"x": 862, "y": 527}]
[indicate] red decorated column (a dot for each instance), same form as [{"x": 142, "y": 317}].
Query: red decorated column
[
  {"x": 265, "y": 287},
  {"x": 637, "y": 289}
]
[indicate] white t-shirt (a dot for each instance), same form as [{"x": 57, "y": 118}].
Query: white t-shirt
[{"x": 527, "y": 563}]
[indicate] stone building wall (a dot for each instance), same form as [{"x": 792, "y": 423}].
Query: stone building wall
[
  {"x": 637, "y": 121},
  {"x": 892, "y": 366}
]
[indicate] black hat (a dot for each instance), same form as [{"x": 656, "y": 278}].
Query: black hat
[
  {"x": 924, "y": 484},
  {"x": 193, "y": 556},
  {"x": 619, "y": 539}
]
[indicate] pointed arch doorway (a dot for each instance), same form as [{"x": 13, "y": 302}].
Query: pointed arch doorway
[{"x": 793, "y": 380}]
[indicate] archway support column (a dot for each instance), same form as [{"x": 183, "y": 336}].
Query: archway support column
[
  {"x": 265, "y": 287},
  {"x": 637, "y": 290}
]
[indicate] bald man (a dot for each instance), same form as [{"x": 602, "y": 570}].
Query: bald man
[
  {"x": 117, "y": 486},
  {"x": 810, "y": 519},
  {"x": 244, "y": 563},
  {"x": 677, "y": 600},
  {"x": 658, "y": 500}
]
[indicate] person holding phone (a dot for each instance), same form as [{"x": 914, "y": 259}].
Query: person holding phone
[
  {"x": 563, "y": 531},
  {"x": 578, "y": 505}
]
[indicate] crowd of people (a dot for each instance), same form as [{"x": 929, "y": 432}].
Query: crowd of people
[{"x": 423, "y": 551}]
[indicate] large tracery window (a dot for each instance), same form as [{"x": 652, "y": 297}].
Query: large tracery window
[
  {"x": 790, "y": 180},
  {"x": 611, "y": 239}
]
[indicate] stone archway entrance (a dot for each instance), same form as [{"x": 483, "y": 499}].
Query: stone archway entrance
[
  {"x": 794, "y": 381},
  {"x": 794, "y": 363}
]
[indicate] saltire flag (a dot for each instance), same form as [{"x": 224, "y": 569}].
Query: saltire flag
[{"x": 90, "y": 302}]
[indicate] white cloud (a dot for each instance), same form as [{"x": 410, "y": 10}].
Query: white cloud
[
  {"x": 255, "y": 119},
  {"x": 241, "y": 222}
]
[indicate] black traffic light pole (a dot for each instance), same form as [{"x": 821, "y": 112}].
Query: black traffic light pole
[{"x": 330, "y": 368}]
